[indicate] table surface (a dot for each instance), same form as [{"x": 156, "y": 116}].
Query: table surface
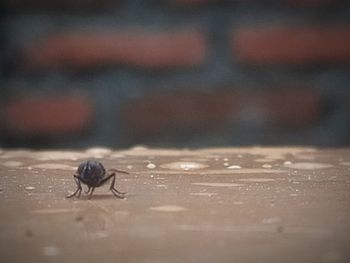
[{"x": 208, "y": 205}]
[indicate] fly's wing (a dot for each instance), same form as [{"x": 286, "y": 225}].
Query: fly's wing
[
  {"x": 102, "y": 169},
  {"x": 118, "y": 171}
]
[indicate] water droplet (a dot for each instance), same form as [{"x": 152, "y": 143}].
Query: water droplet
[
  {"x": 218, "y": 184},
  {"x": 184, "y": 166},
  {"x": 59, "y": 155},
  {"x": 151, "y": 166},
  {"x": 29, "y": 187},
  {"x": 50, "y": 251},
  {"x": 168, "y": 208},
  {"x": 162, "y": 185},
  {"x": 234, "y": 167},
  {"x": 309, "y": 166},
  {"x": 271, "y": 220},
  {"x": 256, "y": 180},
  {"x": 56, "y": 211},
  {"x": 264, "y": 160},
  {"x": 12, "y": 164},
  {"x": 121, "y": 213},
  {"x": 54, "y": 166},
  {"x": 266, "y": 166},
  {"x": 204, "y": 194},
  {"x": 98, "y": 152}
]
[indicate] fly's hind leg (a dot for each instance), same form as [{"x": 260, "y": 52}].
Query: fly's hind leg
[
  {"x": 114, "y": 190},
  {"x": 112, "y": 186}
]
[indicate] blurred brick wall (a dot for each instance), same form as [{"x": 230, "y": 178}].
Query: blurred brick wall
[{"x": 174, "y": 73}]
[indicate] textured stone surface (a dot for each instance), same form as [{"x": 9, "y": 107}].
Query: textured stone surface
[{"x": 207, "y": 205}]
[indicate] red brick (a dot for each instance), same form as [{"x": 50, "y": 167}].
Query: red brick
[
  {"x": 47, "y": 116},
  {"x": 176, "y": 113},
  {"x": 157, "y": 113},
  {"x": 292, "y": 108},
  {"x": 295, "y": 45},
  {"x": 137, "y": 48}
]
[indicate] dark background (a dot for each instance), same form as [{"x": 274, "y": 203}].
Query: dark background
[{"x": 175, "y": 73}]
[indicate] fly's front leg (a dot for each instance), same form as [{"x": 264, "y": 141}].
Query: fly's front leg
[
  {"x": 88, "y": 190},
  {"x": 79, "y": 188},
  {"x": 92, "y": 190}
]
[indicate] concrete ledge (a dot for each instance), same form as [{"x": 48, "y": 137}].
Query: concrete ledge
[{"x": 207, "y": 205}]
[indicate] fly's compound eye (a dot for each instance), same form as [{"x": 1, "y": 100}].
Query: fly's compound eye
[
  {"x": 81, "y": 168},
  {"x": 84, "y": 167}
]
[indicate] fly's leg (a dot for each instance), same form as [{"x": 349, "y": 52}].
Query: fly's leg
[
  {"x": 112, "y": 187},
  {"x": 114, "y": 190},
  {"x": 88, "y": 190},
  {"x": 79, "y": 188},
  {"x": 92, "y": 190}
]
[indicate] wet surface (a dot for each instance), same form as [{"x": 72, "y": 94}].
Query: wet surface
[{"x": 209, "y": 205}]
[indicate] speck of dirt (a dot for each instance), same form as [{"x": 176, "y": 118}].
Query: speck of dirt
[
  {"x": 28, "y": 233},
  {"x": 79, "y": 218},
  {"x": 279, "y": 229}
]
